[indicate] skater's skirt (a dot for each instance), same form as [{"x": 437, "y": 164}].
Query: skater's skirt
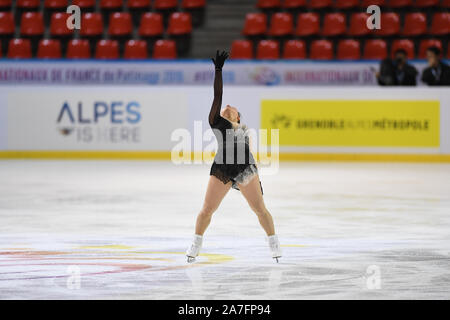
[{"x": 236, "y": 173}]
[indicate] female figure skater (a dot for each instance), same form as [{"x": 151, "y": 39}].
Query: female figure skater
[{"x": 233, "y": 166}]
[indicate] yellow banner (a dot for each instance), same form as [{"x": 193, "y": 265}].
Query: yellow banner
[{"x": 381, "y": 123}]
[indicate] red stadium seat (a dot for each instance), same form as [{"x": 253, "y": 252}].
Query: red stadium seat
[
  {"x": 58, "y": 25},
  {"x": 135, "y": 49},
  {"x": 415, "y": 24},
  {"x": 404, "y": 44},
  {"x": 59, "y": 30},
  {"x": 390, "y": 24},
  {"x": 78, "y": 49},
  {"x": 52, "y": 6},
  {"x": 348, "y": 50},
  {"x": 346, "y": 4},
  {"x": 241, "y": 49},
  {"x": 179, "y": 23},
  {"x": 440, "y": 24},
  {"x": 358, "y": 24},
  {"x": 320, "y": 4},
  {"x": 56, "y": 4},
  {"x": 120, "y": 24},
  {"x": 307, "y": 24},
  {"x": 7, "y": 29},
  {"x": 255, "y": 24},
  {"x": 425, "y": 44},
  {"x": 31, "y": 24},
  {"x": 334, "y": 24},
  {"x": 107, "y": 49},
  {"x": 268, "y": 50},
  {"x": 375, "y": 49},
  {"x": 426, "y": 3},
  {"x": 367, "y": 3},
  {"x": 6, "y": 23},
  {"x": 111, "y": 5},
  {"x": 164, "y": 49},
  {"x": 165, "y": 4},
  {"x": 400, "y": 3},
  {"x": 49, "y": 49},
  {"x": 151, "y": 25},
  {"x": 19, "y": 49},
  {"x": 28, "y": 4},
  {"x": 191, "y": 4},
  {"x": 85, "y": 5},
  {"x": 5, "y": 5},
  {"x": 293, "y": 4},
  {"x": 321, "y": 50},
  {"x": 268, "y": 4},
  {"x": 91, "y": 24},
  {"x": 294, "y": 49},
  {"x": 139, "y": 4},
  {"x": 281, "y": 24},
  {"x": 445, "y": 3}
]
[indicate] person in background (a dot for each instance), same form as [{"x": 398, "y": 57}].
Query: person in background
[
  {"x": 437, "y": 73},
  {"x": 397, "y": 72}
]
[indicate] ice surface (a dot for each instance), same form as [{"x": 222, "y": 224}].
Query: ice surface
[{"x": 123, "y": 226}]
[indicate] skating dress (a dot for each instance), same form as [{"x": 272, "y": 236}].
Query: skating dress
[{"x": 233, "y": 161}]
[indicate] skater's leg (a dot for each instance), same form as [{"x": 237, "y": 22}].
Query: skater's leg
[
  {"x": 215, "y": 193},
  {"x": 253, "y": 195}
]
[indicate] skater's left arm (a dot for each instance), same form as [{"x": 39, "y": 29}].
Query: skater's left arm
[{"x": 219, "y": 61}]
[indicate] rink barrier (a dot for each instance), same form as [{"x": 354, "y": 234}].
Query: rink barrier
[{"x": 163, "y": 155}]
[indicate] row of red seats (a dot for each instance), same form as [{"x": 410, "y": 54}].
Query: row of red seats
[
  {"x": 347, "y": 4},
  {"x": 335, "y": 24},
  {"x": 92, "y": 24},
  {"x": 80, "y": 49},
  {"x": 104, "y": 4},
  {"x": 348, "y": 49},
  {"x": 241, "y": 49}
]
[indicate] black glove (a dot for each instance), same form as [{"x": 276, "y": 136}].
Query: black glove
[{"x": 220, "y": 59}]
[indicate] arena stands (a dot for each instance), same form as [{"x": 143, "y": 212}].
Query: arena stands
[{"x": 272, "y": 29}]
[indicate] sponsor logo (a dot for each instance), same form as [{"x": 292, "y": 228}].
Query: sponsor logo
[
  {"x": 265, "y": 75},
  {"x": 353, "y": 123},
  {"x": 102, "y": 121}
]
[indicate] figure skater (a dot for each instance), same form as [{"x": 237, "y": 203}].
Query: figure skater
[{"x": 233, "y": 166}]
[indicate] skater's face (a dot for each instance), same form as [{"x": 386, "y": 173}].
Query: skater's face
[{"x": 230, "y": 113}]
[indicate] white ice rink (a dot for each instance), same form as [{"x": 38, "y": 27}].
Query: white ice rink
[{"x": 119, "y": 229}]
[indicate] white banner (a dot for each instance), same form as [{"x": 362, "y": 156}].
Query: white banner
[
  {"x": 179, "y": 72},
  {"x": 94, "y": 120},
  {"x": 142, "y": 118}
]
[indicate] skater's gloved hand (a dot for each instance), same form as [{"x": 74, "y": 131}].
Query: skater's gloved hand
[{"x": 220, "y": 59}]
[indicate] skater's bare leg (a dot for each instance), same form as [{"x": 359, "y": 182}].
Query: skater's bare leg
[
  {"x": 253, "y": 195},
  {"x": 215, "y": 193}
]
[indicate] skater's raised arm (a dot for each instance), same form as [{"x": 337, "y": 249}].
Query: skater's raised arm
[{"x": 214, "y": 114}]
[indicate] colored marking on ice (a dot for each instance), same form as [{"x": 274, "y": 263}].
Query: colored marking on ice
[{"x": 108, "y": 246}]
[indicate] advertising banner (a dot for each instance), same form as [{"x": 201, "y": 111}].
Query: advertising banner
[
  {"x": 149, "y": 122},
  {"x": 74, "y": 120},
  {"x": 381, "y": 123},
  {"x": 193, "y": 72}
]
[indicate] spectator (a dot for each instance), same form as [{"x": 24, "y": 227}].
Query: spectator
[
  {"x": 437, "y": 73},
  {"x": 397, "y": 72}
]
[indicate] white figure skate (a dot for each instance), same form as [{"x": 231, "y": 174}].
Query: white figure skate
[
  {"x": 275, "y": 247},
  {"x": 193, "y": 251}
]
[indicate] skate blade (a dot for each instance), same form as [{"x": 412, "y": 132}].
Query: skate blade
[
  {"x": 190, "y": 259},
  {"x": 276, "y": 258}
]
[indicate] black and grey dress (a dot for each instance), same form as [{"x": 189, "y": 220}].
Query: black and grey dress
[{"x": 233, "y": 161}]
